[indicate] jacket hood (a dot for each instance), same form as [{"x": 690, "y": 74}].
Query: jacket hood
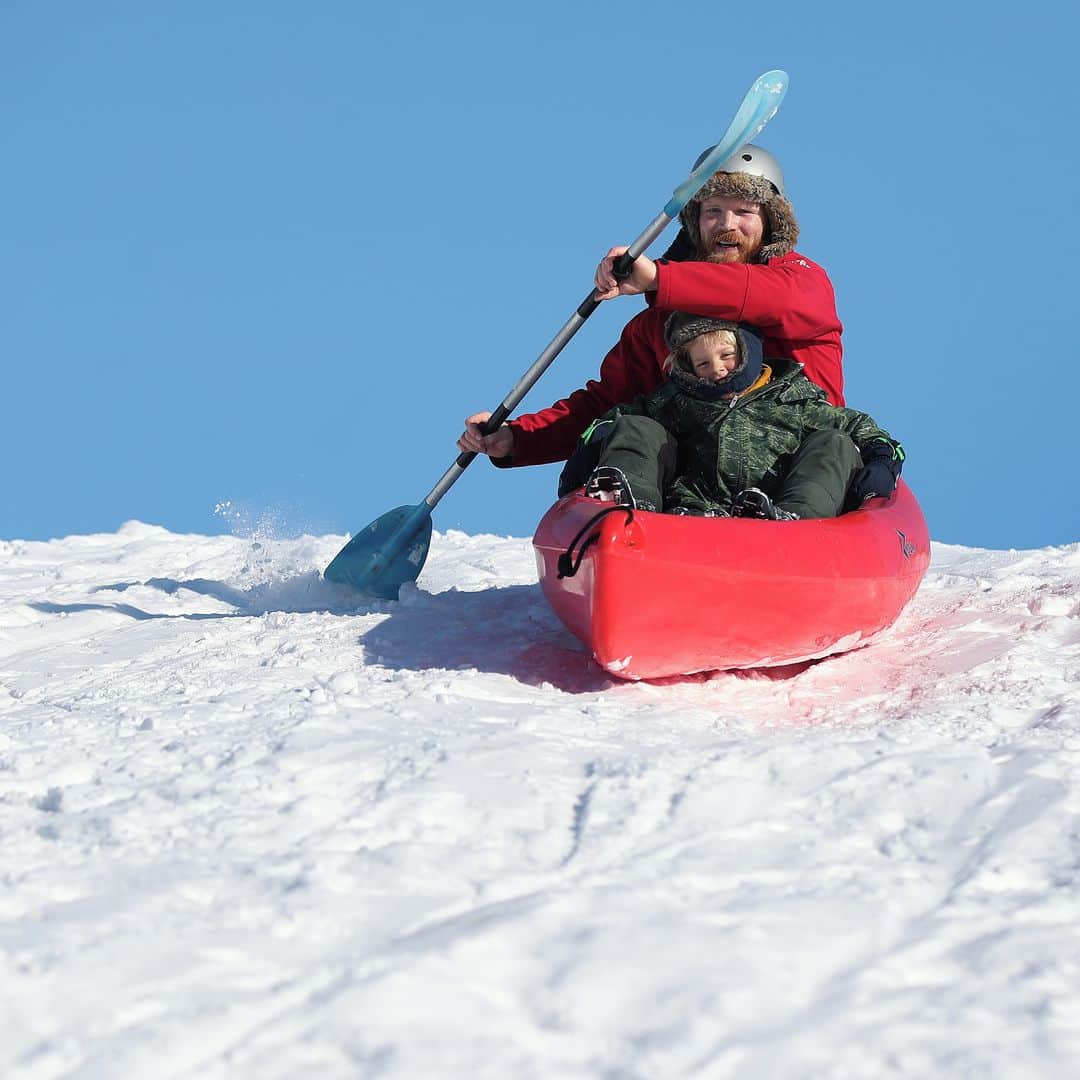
[{"x": 682, "y": 328}]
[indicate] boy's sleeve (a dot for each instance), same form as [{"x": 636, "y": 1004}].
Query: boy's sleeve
[
  {"x": 882, "y": 455},
  {"x": 872, "y": 440}
]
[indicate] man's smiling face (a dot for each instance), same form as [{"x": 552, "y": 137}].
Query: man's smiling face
[{"x": 732, "y": 229}]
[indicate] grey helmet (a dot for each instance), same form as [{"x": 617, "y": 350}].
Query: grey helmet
[
  {"x": 752, "y": 174},
  {"x": 753, "y": 160}
]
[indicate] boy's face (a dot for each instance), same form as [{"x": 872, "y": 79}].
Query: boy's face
[{"x": 711, "y": 359}]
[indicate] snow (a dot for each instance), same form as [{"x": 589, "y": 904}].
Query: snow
[{"x": 249, "y": 829}]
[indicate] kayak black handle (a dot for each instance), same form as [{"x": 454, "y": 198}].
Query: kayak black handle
[{"x": 566, "y": 564}]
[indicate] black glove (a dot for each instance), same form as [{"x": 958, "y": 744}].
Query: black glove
[{"x": 882, "y": 462}]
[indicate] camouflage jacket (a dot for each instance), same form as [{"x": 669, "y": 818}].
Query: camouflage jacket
[{"x": 725, "y": 447}]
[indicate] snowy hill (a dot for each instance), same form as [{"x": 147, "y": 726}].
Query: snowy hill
[{"x": 249, "y": 830}]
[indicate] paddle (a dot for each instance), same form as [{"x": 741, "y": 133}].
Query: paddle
[{"x": 390, "y": 551}]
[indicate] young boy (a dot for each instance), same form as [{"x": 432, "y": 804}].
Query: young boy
[{"x": 730, "y": 435}]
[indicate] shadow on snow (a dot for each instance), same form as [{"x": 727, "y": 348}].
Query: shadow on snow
[{"x": 507, "y": 630}]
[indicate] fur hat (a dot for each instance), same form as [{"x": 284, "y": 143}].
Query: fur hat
[
  {"x": 681, "y": 328},
  {"x": 781, "y": 225}
]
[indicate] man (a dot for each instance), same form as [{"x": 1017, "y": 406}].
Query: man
[{"x": 733, "y": 259}]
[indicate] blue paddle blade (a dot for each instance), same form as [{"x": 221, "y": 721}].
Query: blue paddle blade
[
  {"x": 757, "y": 109},
  {"x": 382, "y": 557}
]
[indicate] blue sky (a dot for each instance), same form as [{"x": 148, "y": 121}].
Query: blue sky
[{"x": 271, "y": 254}]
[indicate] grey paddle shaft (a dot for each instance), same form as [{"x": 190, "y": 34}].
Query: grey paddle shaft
[{"x": 621, "y": 270}]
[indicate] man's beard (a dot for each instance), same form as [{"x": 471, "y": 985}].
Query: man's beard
[{"x": 739, "y": 250}]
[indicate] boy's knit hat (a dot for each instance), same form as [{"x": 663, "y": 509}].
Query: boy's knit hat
[{"x": 681, "y": 328}]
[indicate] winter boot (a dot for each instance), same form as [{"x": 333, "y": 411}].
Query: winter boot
[
  {"x": 686, "y": 511},
  {"x": 609, "y": 484},
  {"x": 754, "y": 503}
]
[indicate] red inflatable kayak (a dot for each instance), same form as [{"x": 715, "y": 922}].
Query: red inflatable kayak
[{"x": 656, "y": 594}]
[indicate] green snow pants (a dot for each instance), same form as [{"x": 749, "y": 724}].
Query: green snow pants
[{"x": 813, "y": 484}]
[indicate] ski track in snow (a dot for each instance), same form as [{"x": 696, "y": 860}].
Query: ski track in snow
[{"x": 249, "y": 829}]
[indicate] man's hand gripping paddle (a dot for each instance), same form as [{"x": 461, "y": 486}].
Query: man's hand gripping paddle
[{"x": 390, "y": 551}]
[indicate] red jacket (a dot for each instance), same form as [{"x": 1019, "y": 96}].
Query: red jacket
[{"x": 789, "y": 300}]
